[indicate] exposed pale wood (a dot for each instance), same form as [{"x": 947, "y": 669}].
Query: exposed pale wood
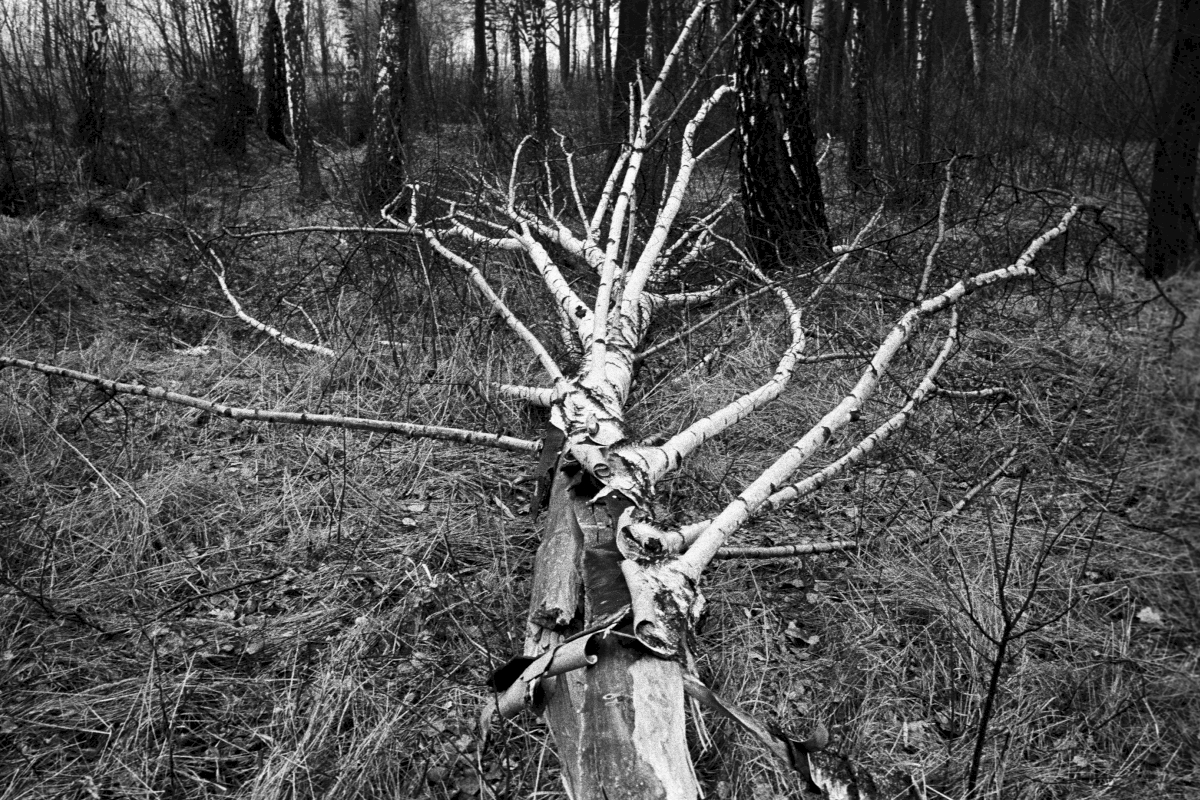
[{"x": 618, "y": 726}]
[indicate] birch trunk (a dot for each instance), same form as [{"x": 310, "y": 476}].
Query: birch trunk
[
  {"x": 352, "y": 92},
  {"x": 812, "y": 61},
  {"x": 383, "y": 166},
  {"x": 977, "y": 26},
  {"x": 89, "y": 127},
  {"x": 294, "y": 39}
]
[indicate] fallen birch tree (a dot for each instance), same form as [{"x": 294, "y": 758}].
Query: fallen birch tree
[{"x": 608, "y": 655}]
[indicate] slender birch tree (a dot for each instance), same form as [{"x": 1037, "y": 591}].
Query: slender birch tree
[
  {"x": 295, "y": 43},
  {"x": 93, "y": 111},
  {"x": 977, "y": 26},
  {"x": 816, "y": 32},
  {"x": 353, "y": 120},
  {"x": 781, "y": 187}
]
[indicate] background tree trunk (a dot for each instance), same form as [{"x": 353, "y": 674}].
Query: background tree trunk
[
  {"x": 781, "y": 187},
  {"x": 924, "y": 84},
  {"x": 12, "y": 189},
  {"x": 234, "y": 106},
  {"x": 539, "y": 74},
  {"x": 812, "y": 60},
  {"x": 516, "y": 28},
  {"x": 858, "y": 165},
  {"x": 273, "y": 99},
  {"x": 631, "y": 47},
  {"x": 566, "y": 59},
  {"x": 383, "y": 168},
  {"x": 89, "y": 127},
  {"x": 352, "y": 93},
  {"x": 311, "y": 188},
  {"x": 479, "y": 68},
  {"x": 1171, "y": 233},
  {"x": 978, "y": 29}
]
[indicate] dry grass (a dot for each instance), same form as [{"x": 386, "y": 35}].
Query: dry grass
[{"x": 193, "y": 608}]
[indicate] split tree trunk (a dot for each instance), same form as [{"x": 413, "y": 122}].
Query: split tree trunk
[
  {"x": 311, "y": 188},
  {"x": 1171, "y": 235},
  {"x": 618, "y": 727}
]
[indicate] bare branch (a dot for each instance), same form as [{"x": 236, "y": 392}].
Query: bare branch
[
  {"x": 941, "y": 234},
  {"x": 269, "y": 330},
  {"x": 758, "y": 492},
  {"x": 787, "y": 550},
  {"x": 408, "y": 429}
]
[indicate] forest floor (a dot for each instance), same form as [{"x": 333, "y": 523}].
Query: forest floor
[{"x": 196, "y": 608}]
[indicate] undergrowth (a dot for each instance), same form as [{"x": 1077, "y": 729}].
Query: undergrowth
[{"x": 197, "y": 608}]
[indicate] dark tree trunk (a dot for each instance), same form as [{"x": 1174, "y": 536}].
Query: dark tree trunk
[
  {"x": 599, "y": 62},
  {"x": 539, "y": 74},
  {"x": 311, "y": 188},
  {"x": 858, "y": 167},
  {"x": 89, "y": 127},
  {"x": 273, "y": 99},
  {"x": 383, "y": 167},
  {"x": 234, "y": 106},
  {"x": 186, "y": 54},
  {"x": 1171, "y": 233},
  {"x": 515, "y": 28},
  {"x": 781, "y": 187},
  {"x": 12, "y": 189},
  {"x": 49, "y": 49},
  {"x": 924, "y": 86},
  {"x": 479, "y": 69},
  {"x": 562, "y": 10},
  {"x": 631, "y": 47}
]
